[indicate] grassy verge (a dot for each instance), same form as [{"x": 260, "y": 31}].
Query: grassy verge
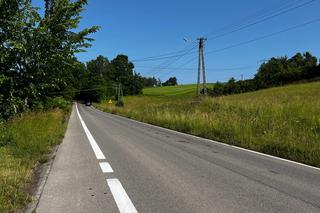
[
  {"x": 282, "y": 121},
  {"x": 25, "y": 142}
]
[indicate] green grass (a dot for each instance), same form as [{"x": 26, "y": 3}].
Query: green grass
[
  {"x": 24, "y": 143},
  {"x": 282, "y": 121},
  {"x": 169, "y": 91}
]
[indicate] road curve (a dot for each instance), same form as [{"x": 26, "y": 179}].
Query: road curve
[{"x": 164, "y": 171}]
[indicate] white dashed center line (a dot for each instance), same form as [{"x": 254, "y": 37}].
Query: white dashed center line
[
  {"x": 120, "y": 196},
  {"x": 105, "y": 167},
  {"x": 96, "y": 149}
]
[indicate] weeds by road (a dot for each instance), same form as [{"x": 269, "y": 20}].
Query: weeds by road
[
  {"x": 25, "y": 142},
  {"x": 282, "y": 121}
]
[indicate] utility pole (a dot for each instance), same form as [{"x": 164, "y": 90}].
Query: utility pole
[
  {"x": 201, "y": 63},
  {"x": 119, "y": 92}
]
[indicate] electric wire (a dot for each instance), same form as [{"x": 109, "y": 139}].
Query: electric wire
[
  {"x": 256, "y": 39},
  {"x": 181, "y": 53}
]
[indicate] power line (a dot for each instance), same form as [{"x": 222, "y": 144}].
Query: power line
[
  {"x": 212, "y": 69},
  {"x": 252, "y": 40},
  {"x": 181, "y": 53},
  {"x": 262, "y": 20},
  {"x": 249, "y": 41},
  {"x": 252, "y": 16},
  {"x": 256, "y": 39},
  {"x": 165, "y": 55},
  {"x": 265, "y": 36},
  {"x": 80, "y": 90},
  {"x": 168, "y": 63},
  {"x": 272, "y": 15}
]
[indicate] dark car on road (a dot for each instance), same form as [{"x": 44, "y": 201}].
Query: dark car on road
[{"x": 88, "y": 103}]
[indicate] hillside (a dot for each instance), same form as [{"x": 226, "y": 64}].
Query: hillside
[
  {"x": 180, "y": 90},
  {"x": 282, "y": 121}
]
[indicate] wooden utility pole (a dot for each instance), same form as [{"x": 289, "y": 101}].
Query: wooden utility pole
[
  {"x": 201, "y": 63},
  {"x": 199, "y": 67},
  {"x": 119, "y": 92}
]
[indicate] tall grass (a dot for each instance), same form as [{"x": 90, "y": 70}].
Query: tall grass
[
  {"x": 282, "y": 121},
  {"x": 25, "y": 142}
]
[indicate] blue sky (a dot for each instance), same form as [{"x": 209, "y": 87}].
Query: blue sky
[{"x": 145, "y": 28}]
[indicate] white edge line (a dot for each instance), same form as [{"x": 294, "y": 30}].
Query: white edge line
[
  {"x": 106, "y": 167},
  {"x": 96, "y": 149},
  {"x": 120, "y": 196},
  {"x": 216, "y": 142}
]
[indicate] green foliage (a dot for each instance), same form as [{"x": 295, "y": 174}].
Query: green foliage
[
  {"x": 278, "y": 71},
  {"x": 59, "y": 103},
  {"x": 52, "y": 103},
  {"x": 275, "y": 72},
  {"x": 281, "y": 121},
  {"x": 96, "y": 80},
  {"x": 132, "y": 83},
  {"x": 38, "y": 53},
  {"x": 100, "y": 78},
  {"x": 172, "y": 81},
  {"x": 150, "y": 82}
]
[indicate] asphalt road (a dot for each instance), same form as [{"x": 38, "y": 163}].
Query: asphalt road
[{"x": 151, "y": 169}]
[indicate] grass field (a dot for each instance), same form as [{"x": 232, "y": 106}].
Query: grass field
[
  {"x": 185, "y": 90},
  {"x": 282, "y": 121},
  {"x": 180, "y": 90},
  {"x": 25, "y": 142}
]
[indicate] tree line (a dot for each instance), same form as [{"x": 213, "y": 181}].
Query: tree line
[
  {"x": 275, "y": 72},
  {"x": 37, "y": 52},
  {"x": 100, "y": 79},
  {"x": 38, "y": 64}
]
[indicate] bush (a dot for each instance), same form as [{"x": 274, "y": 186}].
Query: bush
[{"x": 57, "y": 102}]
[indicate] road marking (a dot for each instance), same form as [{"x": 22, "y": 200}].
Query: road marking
[
  {"x": 211, "y": 141},
  {"x": 105, "y": 167},
  {"x": 96, "y": 149},
  {"x": 120, "y": 196}
]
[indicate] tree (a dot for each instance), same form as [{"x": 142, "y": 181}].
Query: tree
[
  {"x": 218, "y": 89},
  {"x": 279, "y": 71},
  {"x": 17, "y": 21},
  {"x": 232, "y": 87},
  {"x": 172, "y": 81},
  {"x": 269, "y": 73},
  {"x": 38, "y": 53},
  {"x": 276, "y": 71},
  {"x": 132, "y": 83},
  {"x": 149, "y": 82},
  {"x": 58, "y": 42},
  {"x": 97, "y": 83}
]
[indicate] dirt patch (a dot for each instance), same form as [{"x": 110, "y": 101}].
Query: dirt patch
[{"x": 39, "y": 175}]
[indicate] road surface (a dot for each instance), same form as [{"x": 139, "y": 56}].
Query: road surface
[{"x": 108, "y": 163}]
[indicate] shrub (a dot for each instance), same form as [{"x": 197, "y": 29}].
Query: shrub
[{"x": 57, "y": 102}]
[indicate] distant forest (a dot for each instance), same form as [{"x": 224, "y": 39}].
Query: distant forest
[{"x": 275, "y": 72}]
